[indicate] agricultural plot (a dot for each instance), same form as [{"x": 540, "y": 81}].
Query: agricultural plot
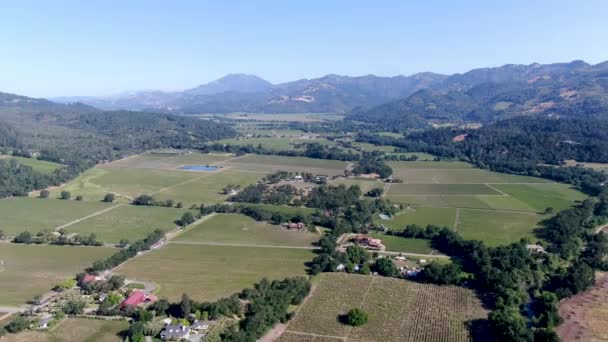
[
  {"x": 421, "y": 155},
  {"x": 167, "y": 161},
  {"x": 497, "y": 227},
  {"x": 399, "y": 244},
  {"x": 294, "y": 117},
  {"x": 212, "y": 272},
  {"x": 76, "y": 330},
  {"x": 128, "y": 222},
  {"x": 541, "y": 196},
  {"x": 422, "y": 216},
  {"x": 29, "y": 270},
  {"x": 399, "y": 310},
  {"x": 36, "y": 214},
  {"x": 207, "y": 188},
  {"x": 268, "y": 164},
  {"x": 458, "y": 176},
  {"x": 364, "y": 184},
  {"x": 240, "y": 229},
  {"x": 38, "y": 165},
  {"x": 441, "y": 190},
  {"x": 277, "y": 144}
]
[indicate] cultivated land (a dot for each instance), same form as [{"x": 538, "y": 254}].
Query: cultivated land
[
  {"x": 240, "y": 229},
  {"x": 399, "y": 310},
  {"x": 75, "y": 330},
  {"x": 36, "y": 214},
  {"x": 399, "y": 244},
  {"x": 268, "y": 164},
  {"x": 128, "y": 222},
  {"x": 365, "y": 184},
  {"x": 168, "y": 161},
  {"x": 29, "y": 270},
  {"x": 493, "y": 207},
  {"x": 210, "y": 272},
  {"x": 38, "y": 165}
]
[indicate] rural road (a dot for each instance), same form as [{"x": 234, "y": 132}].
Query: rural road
[
  {"x": 205, "y": 243},
  {"x": 89, "y": 216}
]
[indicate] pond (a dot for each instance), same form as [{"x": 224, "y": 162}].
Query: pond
[{"x": 198, "y": 168}]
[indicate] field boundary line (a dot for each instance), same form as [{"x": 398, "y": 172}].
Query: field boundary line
[
  {"x": 369, "y": 288},
  {"x": 89, "y": 216},
  {"x": 480, "y": 209},
  {"x": 228, "y": 244},
  {"x": 493, "y": 188},
  {"x": 456, "y": 219},
  {"x": 314, "y": 335},
  {"x": 471, "y": 195}
]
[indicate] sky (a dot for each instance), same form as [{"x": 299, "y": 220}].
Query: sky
[{"x": 66, "y": 48}]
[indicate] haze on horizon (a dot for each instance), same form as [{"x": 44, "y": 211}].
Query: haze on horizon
[{"x": 70, "y": 48}]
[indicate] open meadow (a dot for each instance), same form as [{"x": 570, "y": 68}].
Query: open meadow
[
  {"x": 240, "y": 229},
  {"x": 35, "y": 214},
  {"x": 30, "y": 270},
  {"x": 422, "y": 216},
  {"x": 207, "y": 272},
  {"x": 399, "y": 310},
  {"x": 75, "y": 330},
  {"x": 42, "y": 166},
  {"x": 497, "y": 227},
  {"x": 128, "y": 222}
]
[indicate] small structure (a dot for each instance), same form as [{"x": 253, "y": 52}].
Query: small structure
[
  {"x": 340, "y": 267},
  {"x": 44, "y": 322},
  {"x": 90, "y": 278},
  {"x": 536, "y": 249},
  {"x": 158, "y": 245},
  {"x": 102, "y": 296},
  {"x": 368, "y": 242},
  {"x": 294, "y": 225},
  {"x": 422, "y": 261},
  {"x": 137, "y": 298},
  {"x": 384, "y": 217},
  {"x": 199, "y": 325},
  {"x": 175, "y": 332}
]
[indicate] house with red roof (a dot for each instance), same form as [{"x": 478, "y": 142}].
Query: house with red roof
[{"x": 137, "y": 298}]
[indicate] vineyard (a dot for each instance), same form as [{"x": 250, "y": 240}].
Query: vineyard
[{"x": 399, "y": 310}]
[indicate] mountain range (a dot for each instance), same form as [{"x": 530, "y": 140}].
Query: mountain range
[{"x": 480, "y": 95}]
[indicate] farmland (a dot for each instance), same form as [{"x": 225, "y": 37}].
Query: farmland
[
  {"x": 422, "y": 216},
  {"x": 33, "y": 270},
  {"x": 209, "y": 272},
  {"x": 240, "y": 229},
  {"x": 38, "y": 165},
  {"x": 35, "y": 214},
  {"x": 128, "y": 222},
  {"x": 76, "y": 330},
  {"x": 400, "y": 244},
  {"x": 268, "y": 164},
  {"x": 398, "y": 310},
  {"x": 496, "y": 227}
]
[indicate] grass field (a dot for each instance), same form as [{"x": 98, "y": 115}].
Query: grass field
[
  {"x": 299, "y": 117},
  {"x": 441, "y": 189},
  {"x": 128, "y": 222},
  {"x": 277, "y": 144},
  {"x": 497, "y": 227},
  {"x": 212, "y": 272},
  {"x": 167, "y": 161},
  {"x": 540, "y": 196},
  {"x": 30, "y": 270},
  {"x": 76, "y": 330},
  {"x": 38, "y": 165},
  {"x": 399, "y": 244},
  {"x": 240, "y": 229},
  {"x": 365, "y": 184},
  {"x": 399, "y": 310},
  {"x": 442, "y": 217},
  {"x": 458, "y": 176},
  {"x": 35, "y": 214},
  {"x": 268, "y": 164}
]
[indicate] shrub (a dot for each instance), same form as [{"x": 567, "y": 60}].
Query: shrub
[{"x": 356, "y": 317}]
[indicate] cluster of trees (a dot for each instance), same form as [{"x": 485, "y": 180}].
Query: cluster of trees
[
  {"x": 373, "y": 166},
  {"x": 61, "y": 238},
  {"x": 18, "y": 180},
  {"x": 147, "y": 200},
  {"x": 269, "y": 303},
  {"x": 260, "y": 213},
  {"x": 262, "y": 193},
  {"x": 312, "y": 150},
  {"x": 125, "y": 254}
]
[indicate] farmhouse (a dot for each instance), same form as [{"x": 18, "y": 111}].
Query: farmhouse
[
  {"x": 368, "y": 242},
  {"x": 175, "y": 332},
  {"x": 296, "y": 225},
  {"x": 90, "y": 277},
  {"x": 137, "y": 298}
]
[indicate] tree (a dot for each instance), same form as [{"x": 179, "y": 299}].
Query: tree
[
  {"x": 24, "y": 237},
  {"x": 44, "y": 193},
  {"x": 179, "y": 205},
  {"x": 2, "y": 235},
  {"x": 187, "y": 218},
  {"x": 144, "y": 200},
  {"x": 20, "y": 323},
  {"x": 109, "y": 198},
  {"x": 185, "y": 306},
  {"x": 385, "y": 267},
  {"x": 79, "y": 198},
  {"x": 375, "y": 192},
  {"x": 509, "y": 325},
  {"x": 65, "y": 195},
  {"x": 356, "y": 317},
  {"x": 74, "y": 306}
]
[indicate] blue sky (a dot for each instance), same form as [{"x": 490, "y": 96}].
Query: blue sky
[{"x": 54, "y": 48}]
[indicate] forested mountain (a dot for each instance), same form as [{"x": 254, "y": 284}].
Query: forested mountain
[
  {"x": 248, "y": 93},
  {"x": 79, "y": 136},
  {"x": 574, "y": 89}
]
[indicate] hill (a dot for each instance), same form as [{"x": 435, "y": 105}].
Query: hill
[{"x": 574, "y": 89}]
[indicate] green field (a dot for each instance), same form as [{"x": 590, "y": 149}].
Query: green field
[
  {"x": 421, "y": 155},
  {"x": 441, "y": 189},
  {"x": 365, "y": 184},
  {"x": 399, "y": 310},
  {"x": 421, "y": 164},
  {"x": 268, "y": 164},
  {"x": 207, "y": 187},
  {"x": 128, "y": 222},
  {"x": 282, "y": 208},
  {"x": 240, "y": 229},
  {"x": 36, "y": 214},
  {"x": 29, "y": 270},
  {"x": 76, "y": 330},
  {"x": 458, "y": 176},
  {"x": 38, "y": 165},
  {"x": 540, "y": 196},
  {"x": 278, "y": 144},
  {"x": 442, "y": 217},
  {"x": 212, "y": 272},
  {"x": 497, "y": 227},
  {"x": 400, "y": 244},
  {"x": 167, "y": 161}
]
